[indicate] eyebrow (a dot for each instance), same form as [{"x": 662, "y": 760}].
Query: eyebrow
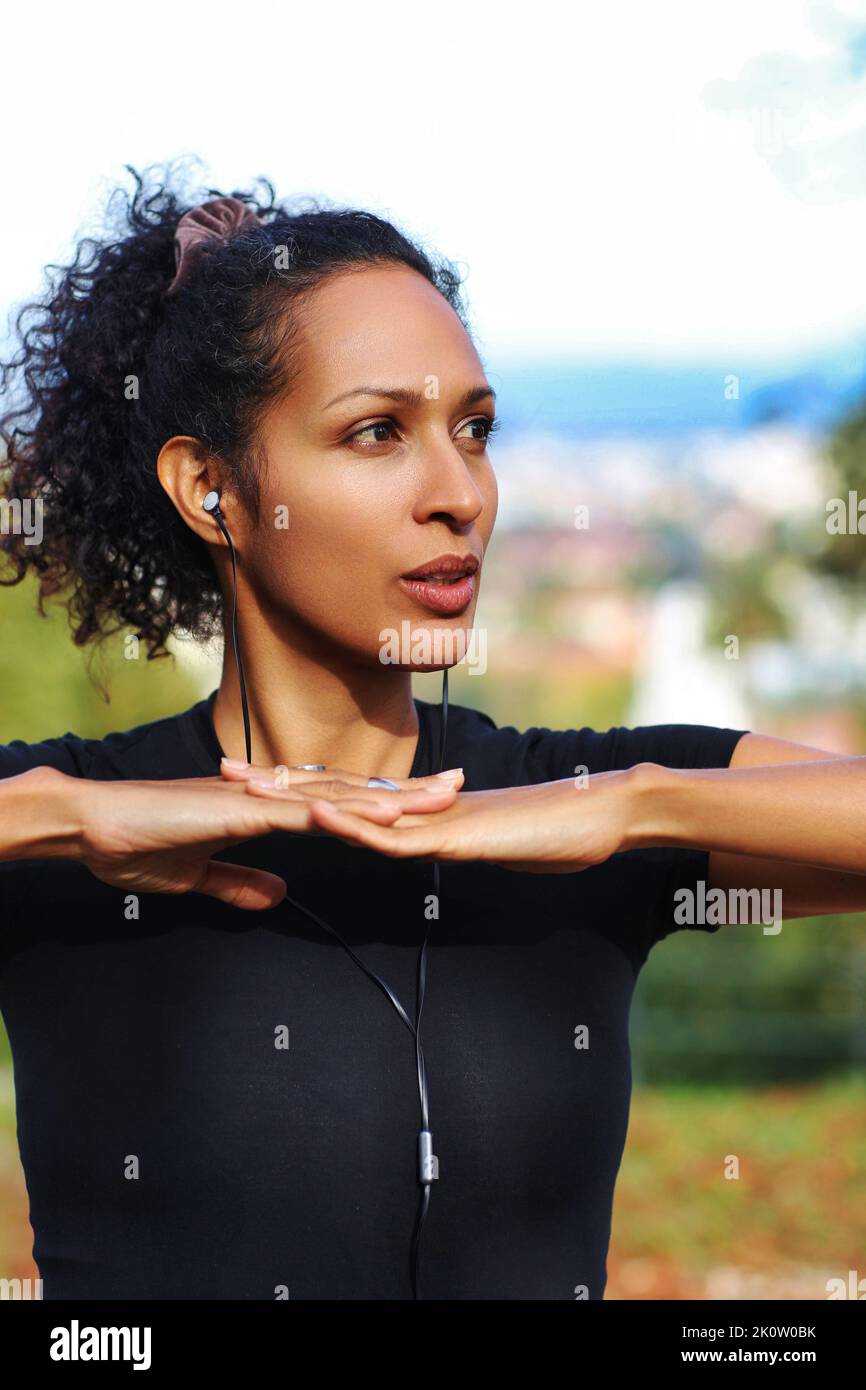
[{"x": 403, "y": 396}]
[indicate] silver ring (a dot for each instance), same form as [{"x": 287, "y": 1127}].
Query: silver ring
[
  {"x": 383, "y": 782},
  {"x": 308, "y": 767}
]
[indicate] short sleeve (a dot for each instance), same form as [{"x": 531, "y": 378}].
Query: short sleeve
[
  {"x": 676, "y": 879},
  {"x": 666, "y": 880},
  {"x": 671, "y": 745},
  {"x": 66, "y": 754}
]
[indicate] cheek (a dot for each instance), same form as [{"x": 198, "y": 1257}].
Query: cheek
[
  {"x": 322, "y": 559},
  {"x": 319, "y": 521},
  {"x": 490, "y": 492}
]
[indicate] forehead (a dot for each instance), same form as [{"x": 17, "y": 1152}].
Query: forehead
[{"x": 383, "y": 324}]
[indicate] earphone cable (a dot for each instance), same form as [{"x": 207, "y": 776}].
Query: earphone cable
[
  {"x": 235, "y": 638},
  {"x": 428, "y": 1163},
  {"x": 424, "y": 1200}
]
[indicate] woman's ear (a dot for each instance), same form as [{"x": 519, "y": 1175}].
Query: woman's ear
[{"x": 187, "y": 473}]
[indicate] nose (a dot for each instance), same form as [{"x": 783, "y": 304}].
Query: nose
[{"x": 450, "y": 487}]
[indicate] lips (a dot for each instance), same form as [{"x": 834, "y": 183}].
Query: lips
[
  {"x": 445, "y": 569},
  {"x": 444, "y": 585}
]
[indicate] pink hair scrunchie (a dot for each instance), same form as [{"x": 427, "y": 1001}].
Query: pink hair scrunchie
[{"x": 216, "y": 220}]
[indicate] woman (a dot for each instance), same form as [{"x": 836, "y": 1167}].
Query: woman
[{"x": 214, "y": 1102}]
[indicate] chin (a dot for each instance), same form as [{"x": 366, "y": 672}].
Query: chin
[{"x": 427, "y": 642}]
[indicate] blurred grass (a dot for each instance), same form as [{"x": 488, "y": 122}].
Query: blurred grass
[
  {"x": 47, "y": 689},
  {"x": 795, "y": 1216},
  {"x": 16, "y": 1236}
]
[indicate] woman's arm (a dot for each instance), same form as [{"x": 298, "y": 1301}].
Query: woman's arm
[
  {"x": 161, "y": 836},
  {"x": 799, "y": 826},
  {"x": 760, "y": 819},
  {"x": 39, "y": 816}
]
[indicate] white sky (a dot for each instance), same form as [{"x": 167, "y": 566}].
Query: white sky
[{"x": 576, "y": 158}]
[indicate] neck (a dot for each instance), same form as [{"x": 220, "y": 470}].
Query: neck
[{"x": 304, "y": 709}]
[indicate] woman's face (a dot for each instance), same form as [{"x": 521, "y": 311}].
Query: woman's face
[{"x": 360, "y": 489}]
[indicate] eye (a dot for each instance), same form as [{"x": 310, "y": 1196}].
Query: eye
[
  {"x": 379, "y": 425},
  {"x": 488, "y": 424},
  {"x": 484, "y": 423}
]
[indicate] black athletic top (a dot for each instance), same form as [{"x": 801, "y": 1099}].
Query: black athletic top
[{"x": 175, "y": 1147}]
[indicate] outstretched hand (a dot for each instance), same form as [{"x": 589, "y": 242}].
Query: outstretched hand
[
  {"x": 546, "y": 828},
  {"x": 161, "y": 836}
]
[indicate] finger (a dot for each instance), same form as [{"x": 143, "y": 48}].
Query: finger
[
  {"x": 250, "y": 889},
  {"x": 454, "y": 777},
  {"x": 232, "y": 770},
  {"x": 381, "y": 812},
  {"x": 176, "y": 783},
  {"x": 290, "y": 777},
  {"x": 409, "y": 842},
  {"x": 419, "y": 800}
]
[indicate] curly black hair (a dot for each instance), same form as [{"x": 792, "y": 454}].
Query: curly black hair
[{"x": 107, "y": 368}]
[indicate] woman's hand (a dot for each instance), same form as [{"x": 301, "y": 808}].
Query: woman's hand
[
  {"x": 547, "y": 828},
  {"x": 336, "y": 784},
  {"x": 160, "y": 836}
]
